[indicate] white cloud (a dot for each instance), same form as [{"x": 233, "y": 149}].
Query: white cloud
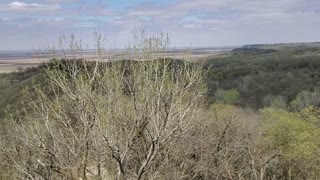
[
  {"x": 22, "y": 5},
  {"x": 229, "y": 13},
  {"x": 5, "y": 19},
  {"x": 18, "y": 6},
  {"x": 59, "y": 19},
  {"x": 61, "y": 1}
]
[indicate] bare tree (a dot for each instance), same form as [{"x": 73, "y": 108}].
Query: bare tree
[{"x": 93, "y": 112}]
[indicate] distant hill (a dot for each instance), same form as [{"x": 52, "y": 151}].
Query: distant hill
[
  {"x": 281, "y": 46},
  {"x": 252, "y": 50}
]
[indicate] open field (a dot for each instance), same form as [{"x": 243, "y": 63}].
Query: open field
[{"x": 12, "y": 65}]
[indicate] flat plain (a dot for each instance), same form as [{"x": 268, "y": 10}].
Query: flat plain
[{"x": 12, "y": 60}]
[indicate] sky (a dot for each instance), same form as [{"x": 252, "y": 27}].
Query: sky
[{"x": 37, "y": 24}]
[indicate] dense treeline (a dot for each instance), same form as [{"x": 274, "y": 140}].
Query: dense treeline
[{"x": 263, "y": 78}]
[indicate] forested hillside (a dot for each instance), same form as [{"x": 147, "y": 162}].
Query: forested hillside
[{"x": 287, "y": 78}]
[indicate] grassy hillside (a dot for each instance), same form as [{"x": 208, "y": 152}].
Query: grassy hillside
[{"x": 12, "y": 86}]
